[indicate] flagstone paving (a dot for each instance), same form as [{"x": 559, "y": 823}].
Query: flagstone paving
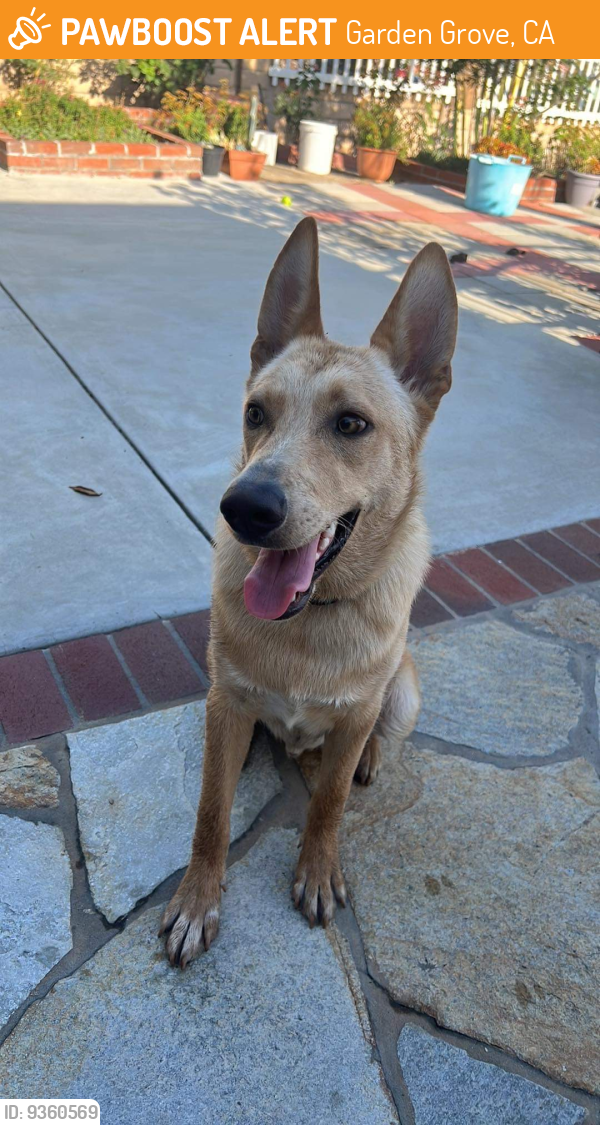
[
  {"x": 438, "y": 1074},
  {"x": 27, "y": 778},
  {"x": 498, "y": 690},
  {"x": 472, "y": 867},
  {"x": 575, "y": 617},
  {"x": 477, "y": 893},
  {"x": 137, "y": 785},
  {"x": 264, "y": 1029},
  {"x": 35, "y": 889}
]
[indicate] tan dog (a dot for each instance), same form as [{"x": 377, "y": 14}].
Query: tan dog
[{"x": 320, "y": 554}]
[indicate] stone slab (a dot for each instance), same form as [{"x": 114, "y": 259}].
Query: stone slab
[
  {"x": 446, "y": 1084},
  {"x": 137, "y": 785},
  {"x": 262, "y": 1030},
  {"x": 492, "y": 687},
  {"x": 573, "y": 616},
  {"x": 477, "y": 891},
  {"x": 35, "y": 907},
  {"x": 27, "y": 779}
]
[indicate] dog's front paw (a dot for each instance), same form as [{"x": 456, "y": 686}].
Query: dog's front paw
[
  {"x": 318, "y": 882},
  {"x": 191, "y": 920},
  {"x": 370, "y": 762}
]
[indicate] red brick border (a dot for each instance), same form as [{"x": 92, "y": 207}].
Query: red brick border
[
  {"x": 508, "y": 571},
  {"x": 171, "y": 158},
  {"x": 538, "y": 189},
  {"x": 69, "y": 685}
]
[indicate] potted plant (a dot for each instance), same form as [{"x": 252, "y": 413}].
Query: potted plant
[
  {"x": 296, "y": 102},
  {"x": 197, "y": 116},
  {"x": 501, "y": 164},
  {"x": 213, "y": 153},
  {"x": 577, "y": 154},
  {"x": 215, "y": 109},
  {"x": 243, "y": 163},
  {"x": 379, "y": 138}
]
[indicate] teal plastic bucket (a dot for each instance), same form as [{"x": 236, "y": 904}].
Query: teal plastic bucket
[{"x": 495, "y": 184}]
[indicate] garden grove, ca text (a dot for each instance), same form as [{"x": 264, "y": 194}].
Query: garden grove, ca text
[{"x": 288, "y": 32}]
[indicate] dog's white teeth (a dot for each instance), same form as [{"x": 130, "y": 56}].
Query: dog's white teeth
[
  {"x": 324, "y": 542},
  {"x": 326, "y": 538}
]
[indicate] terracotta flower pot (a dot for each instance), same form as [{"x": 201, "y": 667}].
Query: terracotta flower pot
[
  {"x": 246, "y": 165},
  {"x": 375, "y": 163}
]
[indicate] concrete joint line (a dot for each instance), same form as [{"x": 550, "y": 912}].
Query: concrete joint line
[{"x": 107, "y": 413}]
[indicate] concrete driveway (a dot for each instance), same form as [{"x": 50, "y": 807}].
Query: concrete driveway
[{"x": 127, "y": 314}]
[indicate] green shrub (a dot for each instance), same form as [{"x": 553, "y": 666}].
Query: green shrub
[
  {"x": 53, "y": 73},
  {"x": 196, "y": 115},
  {"x": 296, "y": 102},
  {"x": 448, "y": 162},
  {"x": 152, "y": 78},
  {"x": 376, "y": 124},
  {"x": 236, "y": 126},
  {"x": 36, "y": 113},
  {"x": 576, "y": 147},
  {"x": 515, "y": 134}
]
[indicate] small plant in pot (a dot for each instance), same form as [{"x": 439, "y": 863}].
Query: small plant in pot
[
  {"x": 576, "y": 151},
  {"x": 197, "y": 116},
  {"x": 214, "y": 151},
  {"x": 379, "y": 138},
  {"x": 502, "y": 162},
  {"x": 296, "y": 102},
  {"x": 243, "y": 163},
  {"x": 515, "y": 134}
]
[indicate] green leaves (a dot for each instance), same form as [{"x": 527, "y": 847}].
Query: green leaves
[
  {"x": 37, "y": 113},
  {"x": 161, "y": 76},
  {"x": 576, "y": 147},
  {"x": 377, "y": 124},
  {"x": 296, "y": 102}
]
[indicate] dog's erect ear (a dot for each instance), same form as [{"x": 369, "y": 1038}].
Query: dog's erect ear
[
  {"x": 291, "y": 305},
  {"x": 418, "y": 331}
]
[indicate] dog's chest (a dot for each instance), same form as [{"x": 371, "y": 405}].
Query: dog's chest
[{"x": 301, "y": 724}]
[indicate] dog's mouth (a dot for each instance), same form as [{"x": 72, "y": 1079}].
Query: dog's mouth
[{"x": 281, "y": 583}]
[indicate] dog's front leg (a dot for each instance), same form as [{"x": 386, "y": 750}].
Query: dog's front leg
[
  {"x": 318, "y": 881},
  {"x": 191, "y": 919}
]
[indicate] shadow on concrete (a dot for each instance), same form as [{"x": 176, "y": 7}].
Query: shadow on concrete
[{"x": 152, "y": 298}]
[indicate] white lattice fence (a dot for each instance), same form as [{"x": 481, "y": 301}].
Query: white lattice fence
[
  {"x": 536, "y": 90},
  {"x": 428, "y": 80}
]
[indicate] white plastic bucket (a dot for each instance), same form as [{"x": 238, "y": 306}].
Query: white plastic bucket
[
  {"x": 263, "y": 141},
  {"x": 317, "y": 141}
]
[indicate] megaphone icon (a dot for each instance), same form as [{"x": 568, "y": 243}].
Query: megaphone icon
[{"x": 26, "y": 31}]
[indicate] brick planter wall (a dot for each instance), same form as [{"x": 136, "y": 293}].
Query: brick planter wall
[
  {"x": 426, "y": 174},
  {"x": 173, "y": 158}
]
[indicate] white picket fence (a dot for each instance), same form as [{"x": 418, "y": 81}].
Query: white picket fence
[
  {"x": 357, "y": 75},
  {"x": 587, "y": 110},
  {"x": 428, "y": 80}
]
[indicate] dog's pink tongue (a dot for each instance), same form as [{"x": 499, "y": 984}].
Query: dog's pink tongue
[{"x": 276, "y": 578}]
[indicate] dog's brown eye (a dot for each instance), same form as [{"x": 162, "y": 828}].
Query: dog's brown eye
[
  {"x": 350, "y": 424},
  {"x": 254, "y": 415}
]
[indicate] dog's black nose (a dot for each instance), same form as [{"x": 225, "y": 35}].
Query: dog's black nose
[{"x": 254, "y": 509}]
